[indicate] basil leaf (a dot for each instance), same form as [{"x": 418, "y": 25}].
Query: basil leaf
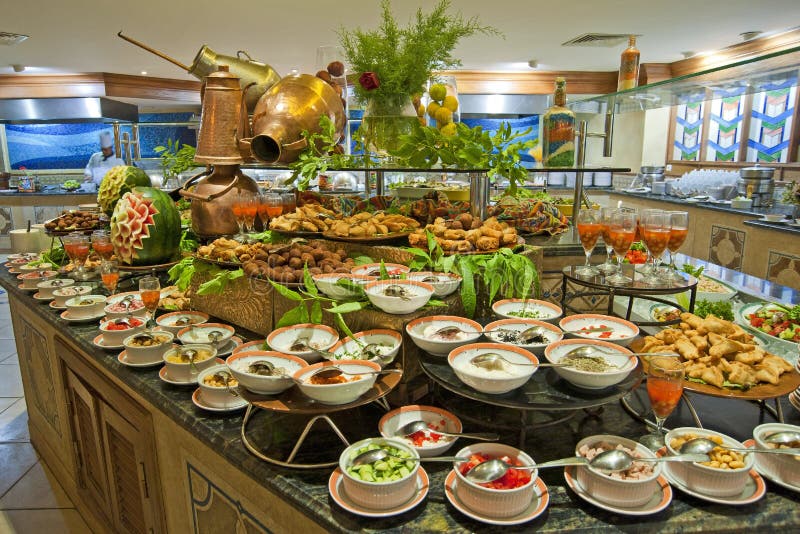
[
  {"x": 286, "y": 292},
  {"x": 347, "y": 307},
  {"x": 297, "y": 315},
  {"x": 316, "y": 312},
  {"x": 311, "y": 287}
]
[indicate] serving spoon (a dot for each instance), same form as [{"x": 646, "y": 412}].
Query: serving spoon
[
  {"x": 494, "y": 361},
  {"x": 377, "y": 455},
  {"x": 784, "y": 436},
  {"x": 334, "y": 371},
  {"x": 705, "y": 445},
  {"x": 607, "y": 462},
  {"x": 419, "y": 425},
  {"x": 589, "y": 352}
]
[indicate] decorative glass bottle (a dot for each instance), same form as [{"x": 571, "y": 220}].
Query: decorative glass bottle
[
  {"x": 558, "y": 130},
  {"x": 629, "y": 66}
]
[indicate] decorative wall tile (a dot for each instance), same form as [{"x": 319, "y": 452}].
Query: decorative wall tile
[
  {"x": 213, "y": 510},
  {"x": 6, "y": 223},
  {"x": 726, "y": 247},
  {"x": 783, "y": 269}
]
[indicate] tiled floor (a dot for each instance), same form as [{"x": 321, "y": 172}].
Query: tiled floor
[{"x": 31, "y": 500}]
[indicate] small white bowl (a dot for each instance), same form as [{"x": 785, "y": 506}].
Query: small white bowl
[
  {"x": 495, "y": 503},
  {"x": 328, "y": 284},
  {"x": 416, "y": 329},
  {"x": 47, "y": 287},
  {"x": 418, "y": 295},
  {"x": 389, "y": 341},
  {"x": 626, "y": 493},
  {"x": 773, "y": 217},
  {"x": 589, "y": 379},
  {"x": 186, "y": 372},
  {"x": 23, "y": 257},
  {"x": 374, "y": 269},
  {"x": 153, "y": 353},
  {"x": 709, "y": 480},
  {"x": 63, "y": 294},
  {"x": 378, "y": 495},
  {"x": 32, "y": 279},
  {"x": 443, "y": 283},
  {"x": 491, "y": 381},
  {"x": 85, "y": 306},
  {"x": 25, "y": 268},
  {"x": 200, "y": 333},
  {"x": 319, "y": 336},
  {"x": 265, "y": 384},
  {"x": 543, "y": 310},
  {"x": 623, "y": 332},
  {"x": 783, "y": 467},
  {"x": 739, "y": 204},
  {"x": 436, "y": 418},
  {"x": 343, "y": 393},
  {"x": 716, "y": 296},
  {"x": 116, "y": 310},
  {"x": 553, "y": 333},
  {"x": 116, "y": 337},
  {"x": 217, "y": 396},
  {"x": 251, "y": 346},
  {"x": 169, "y": 321}
]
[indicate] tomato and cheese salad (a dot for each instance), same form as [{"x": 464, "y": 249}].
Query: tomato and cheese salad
[
  {"x": 777, "y": 321},
  {"x": 603, "y": 331},
  {"x": 424, "y": 438}
]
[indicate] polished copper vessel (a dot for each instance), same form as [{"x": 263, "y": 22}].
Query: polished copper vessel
[
  {"x": 223, "y": 120},
  {"x": 287, "y": 108},
  {"x": 213, "y": 192}
]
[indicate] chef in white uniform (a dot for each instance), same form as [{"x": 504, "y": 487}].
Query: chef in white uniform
[{"x": 101, "y": 162}]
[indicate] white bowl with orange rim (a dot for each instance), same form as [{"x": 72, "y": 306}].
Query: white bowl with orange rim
[
  {"x": 351, "y": 386},
  {"x": 506, "y": 331},
  {"x": 494, "y": 380},
  {"x": 540, "y": 310},
  {"x": 599, "y": 327},
  {"x": 299, "y": 340},
  {"x": 426, "y": 443},
  {"x": 394, "y": 270},
  {"x": 425, "y": 333},
  {"x": 330, "y": 285},
  {"x": 386, "y": 345},
  {"x": 398, "y": 297},
  {"x": 620, "y": 362},
  {"x": 443, "y": 283}
]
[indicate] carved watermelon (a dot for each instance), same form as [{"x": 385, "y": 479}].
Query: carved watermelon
[
  {"x": 118, "y": 181},
  {"x": 145, "y": 227}
]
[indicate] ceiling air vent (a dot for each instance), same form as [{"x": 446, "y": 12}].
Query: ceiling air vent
[
  {"x": 11, "y": 39},
  {"x": 598, "y": 39}
]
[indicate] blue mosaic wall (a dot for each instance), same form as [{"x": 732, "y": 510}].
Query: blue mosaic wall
[{"x": 69, "y": 146}]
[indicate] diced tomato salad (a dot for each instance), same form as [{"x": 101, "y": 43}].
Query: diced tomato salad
[
  {"x": 777, "y": 323},
  {"x": 421, "y": 438},
  {"x": 114, "y": 326},
  {"x": 513, "y": 478}
]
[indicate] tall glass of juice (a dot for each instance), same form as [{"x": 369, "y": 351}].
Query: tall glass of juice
[{"x": 664, "y": 387}]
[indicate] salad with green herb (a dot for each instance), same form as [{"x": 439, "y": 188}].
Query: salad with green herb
[{"x": 778, "y": 321}]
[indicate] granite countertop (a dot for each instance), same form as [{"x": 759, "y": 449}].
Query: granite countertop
[
  {"x": 793, "y": 228},
  {"x": 307, "y": 489},
  {"x": 47, "y": 191}
]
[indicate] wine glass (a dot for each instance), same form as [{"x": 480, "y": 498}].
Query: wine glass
[
  {"x": 150, "y": 291},
  {"x": 288, "y": 202},
  {"x": 274, "y": 205},
  {"x": 249, "y": 210},
  {"x": 621, "y": 233},
  {"x": 76, "y": 245},
  {"x": 605, "y": 220},
  {"x": 679, "y": 230},
  {"x": 238, "y": 211},
  {"x": 646, "y": 268},
  {"x": 664, "y": 387},
  {"x": 101, "y": 243},
  {"x": 589, "y": 230},
  {"x": 656, "y": 234},
  {"x": 109, "y": 272}
]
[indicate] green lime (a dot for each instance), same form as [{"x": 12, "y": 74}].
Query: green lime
[{"x": 438, "y": 92}]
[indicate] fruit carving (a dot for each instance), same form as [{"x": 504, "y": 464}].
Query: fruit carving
[
  {"x": 118, "y": 181},
  {"x": 145, "y": 227}
]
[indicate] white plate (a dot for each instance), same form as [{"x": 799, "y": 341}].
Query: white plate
[
  {"x": 779, "y": 221},
  {"x": 53, "y": 306},
  {"x": 66, "y": 316},
  {"x": 794, "y": 224},
  {"x": 230, "y": 346},
  {"x": 99, "y": 343},
  {"x": 740, "y": 314},
  {"x": 753, "y": 490},
  {"x": 39, "y": 297},
  {"x": 22, "y": 287},
  {"x": 197, "y": 399},
  {"x": 661, "y": 498},
  {"x": 123, "y": 359},
  {"x": 339, "y": 496},
  {"x": 164, "y": 376},
  {"x": 538, "y": 504},
  {"x": 750, "y": 443}
]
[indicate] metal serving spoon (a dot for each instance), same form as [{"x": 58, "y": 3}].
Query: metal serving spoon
[
  {"x": 376, "y": 455},
  {"x": 492, "y": 360},
  {"x": 704, "y": 446},
  {"x": 784, "y": 436},
  {"x": 333, "y": 371},
  {"x": 415, "y": 426},
  {"x": 590, "y": 352}
]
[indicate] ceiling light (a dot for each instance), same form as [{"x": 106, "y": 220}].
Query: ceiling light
[
  {"x": 18, "y": 68},
  {"x": 11, "y": 39},
  {"x": 688, "y": 54},
  {"x": 746, "y": 36},
  {"x": 534, "y": 64},
  {"x": 144, "y": 73}
]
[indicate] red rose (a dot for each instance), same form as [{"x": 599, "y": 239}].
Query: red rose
[{"x": 369, "y": 81}]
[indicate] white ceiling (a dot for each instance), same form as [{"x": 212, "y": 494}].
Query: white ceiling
[{"x": 80, "y": 35}]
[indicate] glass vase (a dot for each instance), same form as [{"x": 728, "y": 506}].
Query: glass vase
[
  {"x": 448, "y": 100},
  {"x": 386, "y": 118}
]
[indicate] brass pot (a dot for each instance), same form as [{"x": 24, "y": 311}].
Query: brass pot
[
  {"x": 223, "y": 121},
  {"x": 212, "y": 199},
  {"x": 287, "y": 108}
]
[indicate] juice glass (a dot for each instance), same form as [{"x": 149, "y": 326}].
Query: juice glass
[
  {"x": 250, "y": 210},
  {"x": 678, "y": 232},
  {"x": 605, "y": 220},
  {"x": 656, "y": 234},
  {"x": 237, "y": 208},
  {"x": 109, "y": 272},
  {"x": 150, "y": 291},
  {"x": 621, "y": 232},
  {"x": 273, "y": 207},
  {"x": 76, "y": 245},
  {"x": 101, "y": 243},
  {"x": 664, "y": 388},
  {"x": 288, "y": 202},
  {"x": 589, "y": 230}
]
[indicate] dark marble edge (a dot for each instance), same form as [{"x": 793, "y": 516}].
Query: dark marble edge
[
  {"x": 307, "y": 490},
  {"x": 48, "y": 194},
  {"x": 681, "y": 202},
  {"x": 778, "y": 227}
]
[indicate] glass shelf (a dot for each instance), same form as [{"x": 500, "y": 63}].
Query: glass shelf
[
  {"x": 439, "y": 170},
  {"x": 752, "y": 75}
]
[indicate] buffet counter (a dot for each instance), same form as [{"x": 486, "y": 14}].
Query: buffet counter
[{"x": 146, "y": 458}]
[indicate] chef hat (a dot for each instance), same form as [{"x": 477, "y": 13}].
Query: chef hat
[{"x": 105, "y": 140}]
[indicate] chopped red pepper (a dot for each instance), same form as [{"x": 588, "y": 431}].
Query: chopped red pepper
[{"x": 513, "y": 478}]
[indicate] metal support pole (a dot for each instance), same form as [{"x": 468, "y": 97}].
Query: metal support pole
[
  {"x": 581, "y": 160},
  {"x": 478, "y": 194},
  {"x": 380, "y": 183}
]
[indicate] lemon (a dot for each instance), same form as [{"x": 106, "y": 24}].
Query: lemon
[
  {"x": 451, "y": 103},
  {"x": 438, "y": 92},
  {"x": 443, "y": 116},
  {"x": 433, "y": 107},
  {"x": 449, "y": 130},
  {"x": 421, "y": 111}
]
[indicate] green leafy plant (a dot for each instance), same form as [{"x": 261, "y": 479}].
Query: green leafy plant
[
  {"x": 468, "y": 148},
  {"x": 722, "y": 309},
  {"x": 402, "y": 59},
  {"x": 181, "y": 275},
  {"x": 175, "y": 158},
  {"x": 188, "y": 242},
  {"x": 791, "y": 194},
  {"x": 501, "y": 273},
  {"x": 321, "y": 153},
  {"x": 433, "y": 259}
]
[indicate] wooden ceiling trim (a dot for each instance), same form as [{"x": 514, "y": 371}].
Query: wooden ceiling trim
[
  {"x": 127, "y": 86},
  {"x": 539, "y": 82},
  {"x": 98, "y": 84}
]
